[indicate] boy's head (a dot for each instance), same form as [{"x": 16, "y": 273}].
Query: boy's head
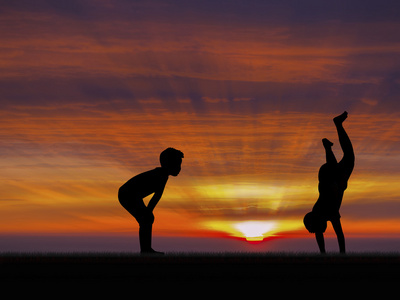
[
  {"x": 314, "y": 223},
  {"x": 171, "y": 160}
]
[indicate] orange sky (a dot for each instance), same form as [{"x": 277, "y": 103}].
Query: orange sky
[
  {"x": 89, "y": 99},
  {"x": 64, "y": 177}
]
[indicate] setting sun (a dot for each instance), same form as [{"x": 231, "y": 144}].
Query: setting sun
[{"x": 255, "y": 231}]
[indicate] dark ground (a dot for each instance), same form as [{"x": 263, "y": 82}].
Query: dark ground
[{"x": 203, "y": 273}]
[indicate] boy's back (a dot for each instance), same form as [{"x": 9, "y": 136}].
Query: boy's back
[{"x": 144, "y": 184}]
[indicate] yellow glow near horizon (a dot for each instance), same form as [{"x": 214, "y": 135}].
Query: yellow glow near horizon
[{"x": 253, "y": 230}]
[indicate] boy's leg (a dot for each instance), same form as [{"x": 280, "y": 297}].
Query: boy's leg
[
  {"x": 145, "y": 233},
  {"x": 145, "y": 219},
  {"x": 145, "y": 238},
  {"x": 320, "y": 240},
  {"x": 145, "y": 230},
  {"x": 330, "y": 156},
  {"x": 337, "y": 226},
  {"x": 345, "y": 143}
]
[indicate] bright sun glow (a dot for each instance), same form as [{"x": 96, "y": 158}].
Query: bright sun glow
[{"x": 255, "y": 230}]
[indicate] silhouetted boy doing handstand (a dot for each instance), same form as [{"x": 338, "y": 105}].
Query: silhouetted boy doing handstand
[
  {"x": 131, "y": 194},
  {"x": 333, "y": 177}
]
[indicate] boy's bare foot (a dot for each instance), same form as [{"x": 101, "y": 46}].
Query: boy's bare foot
[
  {"x": 340, "y": 119},
  {"x": 151, "y": 252},
  {"x": 327, "y": 143}
]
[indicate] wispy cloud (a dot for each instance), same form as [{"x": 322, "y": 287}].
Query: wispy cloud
[{"x": 236, "y": 167}]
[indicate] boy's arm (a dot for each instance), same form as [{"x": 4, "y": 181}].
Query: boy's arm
[{"x": 156, "y": 197}]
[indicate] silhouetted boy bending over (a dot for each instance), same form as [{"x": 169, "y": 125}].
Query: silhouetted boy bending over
[
  {"x": 333, "y": 177},
  {"x": 131, "y": 194}
]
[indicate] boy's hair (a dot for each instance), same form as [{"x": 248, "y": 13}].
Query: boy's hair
[{"x": 170, "y": 155}]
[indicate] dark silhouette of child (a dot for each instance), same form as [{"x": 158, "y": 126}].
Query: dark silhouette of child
[
  {"x": 333, "y": 177},
  {"x": 131, "y": 194}
]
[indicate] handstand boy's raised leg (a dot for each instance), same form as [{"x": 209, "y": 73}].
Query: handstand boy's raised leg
[
  {"x": 330, "y": 156},
  {"x": 347, "y": 162}
]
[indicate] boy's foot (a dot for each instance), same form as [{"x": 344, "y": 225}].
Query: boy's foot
[
  {"x": 340, "y": 119},
  {"x": 152, "y": 252},
  {"x": 327, "y": 143}
]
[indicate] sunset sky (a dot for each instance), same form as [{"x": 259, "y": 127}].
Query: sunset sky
[{"x": 91, "y": 92}]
